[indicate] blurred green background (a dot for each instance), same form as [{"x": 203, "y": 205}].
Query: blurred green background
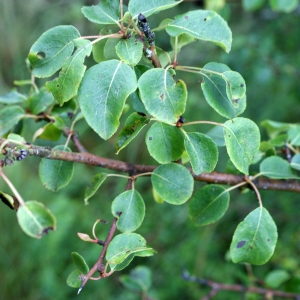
[{"x": 265, "y": 51}]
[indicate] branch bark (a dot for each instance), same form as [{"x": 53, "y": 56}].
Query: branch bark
[
  {"x": 133, "y": 169},
  {"x": 216, "y": 287}
]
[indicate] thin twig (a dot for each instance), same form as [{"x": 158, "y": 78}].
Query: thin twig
[
  {"x": 216, "y": 287},
  {"x": 101, "y": 257}
]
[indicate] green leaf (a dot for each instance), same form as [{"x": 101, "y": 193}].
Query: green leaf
[
  {"x": 277, "y": 168},
  {"x": 217, "y": 135},
  {"x": 48, "y": 132},
  {"x": 286, "y": 6},
  {"x": 274, "y": 128},
  {"x": 41, "y": 101},
  {"x": 133, "y": 125},
  {"x": 122, "y": 246},
  {"x": 173, "y": 183},
  {"x": 16, "y": 137},
  {"x": 156, "y": 197},
  {"x": 65, "y": 86},
  {"x": 123, "y": 264},
  {"x": 208, "y": 204},
  {"x": 182, "y": 40},
  {"x": 279, "y": 140},
  {"x": 204, "y": 25},
  {"x": 9, "y": 117},
  {"x": 242, "y": 140},
  {"x": 132, "y": 207},
  {"x": 9, "y": 200},
  {"x": 165, "y": 143},
  {"x": 80, "y": 263},
  {"x": 106, "y": 12},
  {"x": 254, "y": 239},
  {"x": 148, "y": 8},
  {"x": 252, "y": 4},
  {"x": 294, "y": 135},
  {"x": 202, "y": 150},
  {"x": 12, "y": 98},
  {"x": 102, "y": 94},
  {"x": 224, "y": 90},
  {"x": 130, "y": 51},
  {"x": 35, "y": 219},
  {"x": 73, "y": 279},
  {"x": 163, "y": 98},
  {"x": 139, "y": 279},
  {"x": 295, "y": 162},
  {"x": 49, "y": 52},
  {"x": 96, "y": 182},
  {"x": 275, "y": 278},
  {"x": 109, "y": 50},
  {"x": 56, "y": 174}
]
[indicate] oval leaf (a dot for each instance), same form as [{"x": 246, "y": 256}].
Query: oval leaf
[
  {"x": 224, "y": 90},
  {"x": 35, "y": 219},
  {"x": 208, "y": 204},
  {"x": 132, "y": 207},
  {"x": 130, "y": 51},
  {"x": 173, "y": 183},
  {"x": 12, "y": 98},
  {"x": 123, "y": 245},
  {"x": 139, "y": 279},
  {"x": 163, "y": 98},
  {"x": 65, "y": 86},
  {"x": 56, "y": 174},
  {"x": 102, "y": 94},
  {"x": 204, "y": 25},
  {"x": 202, "y": 150},
  {"x": 277, "y": 168},
  {"x": 254, "y": 239},
  {"x": 133, "y": 125},
  {"x": 48, "y": 53},
  {"x": 96, "y": 182},
  {"x": 106, "y": 12},
  {"x": 242, "y": 140},
  {"x": 80, "y": 263},
  {"x": 164, "y": 142},
  {"x": 148, "y": 8},
  {"x": 73, "y": 279},
  {"x": 9, "y": 117}
]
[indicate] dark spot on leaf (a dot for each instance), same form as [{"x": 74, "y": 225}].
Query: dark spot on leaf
[
  {"x": 150, "y": 138},
  {"x": 57, "y": 85},
  {"x": 162, "y": 97},
  {"x": 241, "y": 244},
  {"x": 186, "y": 17},
  {"x": 205, "y": 19},
  {"x": 228, "y": 135},
  {"x": 41, "y": 55},
  {"x": 236, "y": 100},
  {"x": 242, "y": 85},
  {"x": 268, "y": 240},
  {"x": 118, "y": 213},
  {"x": 251, "y": 247},
  {"x": 45, "y": 231}
]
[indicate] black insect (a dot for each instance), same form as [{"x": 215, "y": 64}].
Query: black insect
[
  {"x": 180, "y": 121},
  {"x": 145, "y": 27},
  {"x": 23, "y": 154}
]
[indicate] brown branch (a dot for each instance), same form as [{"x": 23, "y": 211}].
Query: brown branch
[
  {"x": 216, "y": 287},
  {"x": 98, "y": 265},
  {"x": 132, "y": 169}
]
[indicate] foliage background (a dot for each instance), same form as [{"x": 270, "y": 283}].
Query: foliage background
[{"x": 265, "y": 51}]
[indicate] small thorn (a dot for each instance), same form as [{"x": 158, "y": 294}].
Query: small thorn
[{"x": 80, "y": 289}]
